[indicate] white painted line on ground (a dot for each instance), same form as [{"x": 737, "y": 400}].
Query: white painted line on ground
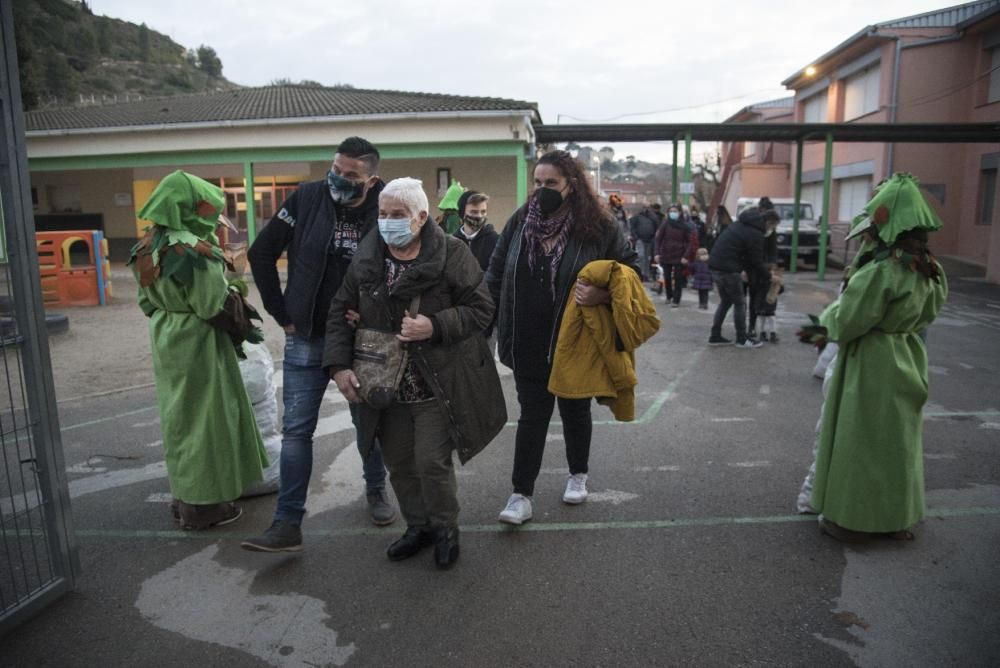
[
  {"x": 150, "y": 423},
  {"x": 749, "y": 465},
  {"x": 553, "y": 437},
  {"x": 990, "y": 425},
  {"x": 966, "y": 366},
  {"x": 160, "y": 497},
  {"x": 938, "y": 370},
  {"x": 648, "y": 469},
  {"x": 734, "y": 419},
  {"x": 765, "y": 389},
  {"x": 943, "y": 455},
  {"x": 154, "y": 444},
  {"x": 557, "y": 471},
  {"x": 611, "y": 496},
  {"x": 87, "y": 466}
]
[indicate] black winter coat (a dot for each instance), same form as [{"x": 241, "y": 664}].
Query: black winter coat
[
  {"x": 576, "y": 255},
  {"x": 456, "y": 362},
  {"x": 482, "y": 244},
  {"x": 304, "y": 225},
  {"x": 740, "y": 248},
  {"x": 644, "y": 225}
]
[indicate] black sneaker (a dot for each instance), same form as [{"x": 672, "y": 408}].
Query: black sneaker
[
  {"x": 281, "y": 536},
  {"x": 382, "y": 512},
  {"x": 718, "y": 341}
]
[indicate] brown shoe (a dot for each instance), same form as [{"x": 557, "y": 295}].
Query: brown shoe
[
  {"x": 200, "y": 517},
  {"x": 840, "y": 533}
]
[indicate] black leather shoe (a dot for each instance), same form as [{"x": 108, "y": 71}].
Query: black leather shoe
[
  {"x": 414, "y": 540},
  {"x": 445, "y": 546}
]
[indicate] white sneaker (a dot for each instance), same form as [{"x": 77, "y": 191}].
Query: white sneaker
[
  {"x": 576, "y": 489},
  {"x": 518, "y": 510}
]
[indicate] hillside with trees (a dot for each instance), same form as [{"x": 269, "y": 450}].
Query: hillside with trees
[{"x": 67, "y": 55}]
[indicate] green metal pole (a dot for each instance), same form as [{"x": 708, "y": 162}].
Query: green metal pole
[
  {"x": 687, "y": 161},
  {"x": 251, "y": 203},
  {"x": 793, "y": 262},
  {"x": 521, "y": 178},
  {"x": 673, "y": 176},
  {"x": 825, "y": 227}
]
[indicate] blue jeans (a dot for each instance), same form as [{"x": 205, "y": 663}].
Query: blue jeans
[{"x": 305, "y": 384}]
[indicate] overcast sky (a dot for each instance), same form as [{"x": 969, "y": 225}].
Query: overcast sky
[{"x": 640, "y": 61}]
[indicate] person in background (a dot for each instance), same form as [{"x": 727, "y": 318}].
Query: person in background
[
  {"x": 673, "y": 252},
  {"x": 197, "y": 324},
  {"x": 449, "y": 397},
  {"x": 738, "y": 252},
  {"x": 320, "y": 226},
  {"x": 722, "y": 222},
  {"x": 450, "y": 220},
  {"x": 701, "y": 277},
  {"x": 560, "y": 229},
  {"x": 617, "y": 205},
  {"x": 699, "y": 227},
  {"x": 643, "y": 226},
  {"x": 479, "y": 236},
  {"x": 869, "y": 468}
]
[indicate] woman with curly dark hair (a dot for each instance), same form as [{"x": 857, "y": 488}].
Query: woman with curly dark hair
[{"x": 532, "y": 275}]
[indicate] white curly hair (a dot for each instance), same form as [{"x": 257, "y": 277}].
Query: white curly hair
[{"x": 409, "y": 192}]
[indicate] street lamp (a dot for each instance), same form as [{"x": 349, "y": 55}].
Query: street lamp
[{"x": 596, "y": 160}]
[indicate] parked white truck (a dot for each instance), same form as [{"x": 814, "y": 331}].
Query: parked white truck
[{"x": 808, "y": 227}]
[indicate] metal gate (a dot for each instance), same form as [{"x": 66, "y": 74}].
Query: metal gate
[{"x": 38, "y": 558}]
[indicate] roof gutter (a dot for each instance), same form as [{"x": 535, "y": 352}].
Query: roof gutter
[
  {"x": 867, "y": 31},
  {"x": 526, "y": 114},
  {"x": 894, "y": 100}
]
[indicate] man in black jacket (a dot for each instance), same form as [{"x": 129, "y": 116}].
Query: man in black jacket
[
  {"x": 739, "y": 251},
  {"x": 643, "y": 226},
  {"x": 479, "y": 236},
  {"x": 320, "y": 225}
]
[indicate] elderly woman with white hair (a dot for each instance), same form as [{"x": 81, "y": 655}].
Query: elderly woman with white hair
[{"x": 449, "y": 397}]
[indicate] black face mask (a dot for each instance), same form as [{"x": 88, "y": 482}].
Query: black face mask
[{"x": 549, "y": 200}]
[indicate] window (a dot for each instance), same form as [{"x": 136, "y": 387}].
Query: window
[
  {"x": 861, "y": 93},
  {"x": 987, "y": 196},
  {"x": 813, "y": 194},
  {"x": 994, "y": 92},
  {"x": 814, "y": 109},
  {"x": 749, "y": 148},
  {"x": 854, "y": 194}
]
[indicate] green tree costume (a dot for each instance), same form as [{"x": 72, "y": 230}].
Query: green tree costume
[
  {"x": 869, "y": 468},
  {"x": 211, "y": 443}
]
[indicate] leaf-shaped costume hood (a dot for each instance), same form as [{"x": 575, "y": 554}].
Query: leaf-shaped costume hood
[
  {"x": 896, "y": 207},
  {"x": 174, "y": 205},
  {"x": 450, "y": 199}
]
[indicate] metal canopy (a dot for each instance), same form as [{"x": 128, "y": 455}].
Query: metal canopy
[{"x": 779, "y": 132}]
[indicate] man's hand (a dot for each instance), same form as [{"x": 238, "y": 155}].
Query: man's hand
[
  {"x": 348, "y": 385},
  {"x": 744, "y": 277},
  {"x": 289, "y": 329},
  {"x": 656, "y": 259},
  {"x": 415, "y": 329},
  {"x": 589, "y": 295}
]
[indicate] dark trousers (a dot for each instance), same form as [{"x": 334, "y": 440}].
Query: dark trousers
[
  {"x": 730, "y": 287},
  {"x": 703, "y": 297},
  {"x": 673, "y": 281},
  {"x": 532, "y": 427}
]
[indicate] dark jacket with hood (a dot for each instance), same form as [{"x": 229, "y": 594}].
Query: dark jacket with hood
[
  {"x": 673, "y": 242},
  {"x": 741, "y": 246},
  {"x": 578, "y": 252},
  {"x": 305, "y": 226},
  {"x": 644, "y": 225},
  {"x": 455, "y": 362},
  {"x": 482, "y": 244}
]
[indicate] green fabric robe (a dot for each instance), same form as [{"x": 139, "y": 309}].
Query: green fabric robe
[
  {"x": 869, "y": 469},
  {"x": 211, "y": 443}
]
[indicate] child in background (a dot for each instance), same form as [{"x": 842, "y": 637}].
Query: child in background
[
  {"x": 768, "y": 306},
  {"x": 701, "y": 277}
]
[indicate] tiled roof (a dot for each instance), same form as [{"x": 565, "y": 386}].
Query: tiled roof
[
  {"x": 264, "y": 103},
  {"x": 948, "y": 17}
]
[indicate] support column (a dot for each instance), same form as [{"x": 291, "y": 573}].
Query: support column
[
  {"x": 521, "y": 178},
  {"x": 250, "y": 201},
  {"x": 687, "y": 162},
  {"x": 825, "y": 227},
  {"x": 793, "y": 260},
  {"x": 673, "y": 176}
]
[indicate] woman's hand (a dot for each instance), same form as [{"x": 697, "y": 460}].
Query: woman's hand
[
  {"x": 590, "y": 295},
  {"x": 352, "y": 317},
  {"x": 348, "y": 385},
  {"x": 415, "y": 329}
]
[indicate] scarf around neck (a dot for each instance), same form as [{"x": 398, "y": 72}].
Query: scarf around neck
[{"x": 537, "y": 230}]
